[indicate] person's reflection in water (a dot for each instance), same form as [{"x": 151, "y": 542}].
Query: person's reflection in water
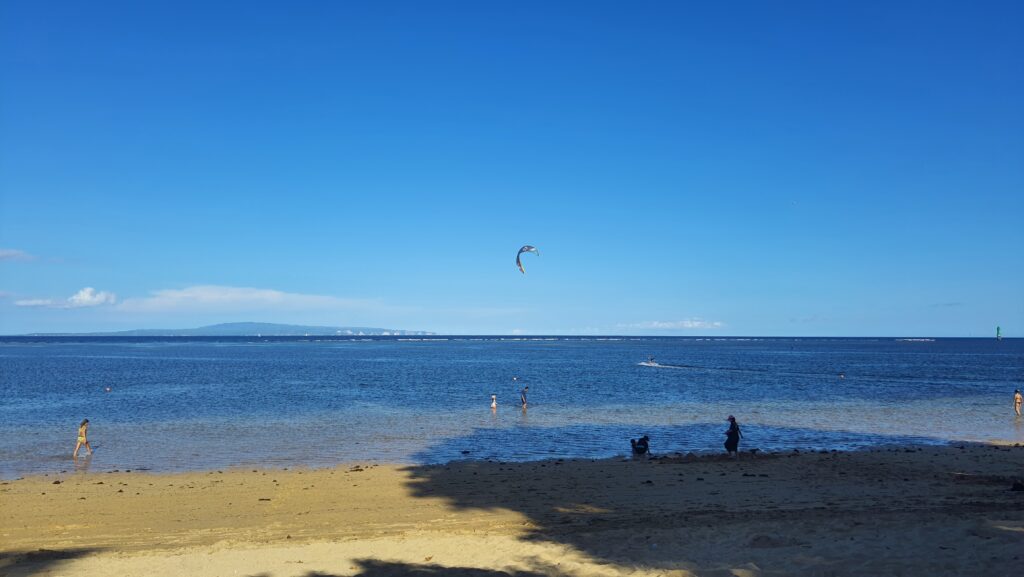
[{"x": 82, "y": 465}]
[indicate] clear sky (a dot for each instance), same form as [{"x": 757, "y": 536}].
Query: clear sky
[{"x": 725, "y": 168}]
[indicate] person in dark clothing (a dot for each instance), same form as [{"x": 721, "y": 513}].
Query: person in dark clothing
[
  {"x": 640, "y": 446},
  {"x": 732, "y": 438}
]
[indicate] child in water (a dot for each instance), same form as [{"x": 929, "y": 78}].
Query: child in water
[{"x": 83, "y": 431}]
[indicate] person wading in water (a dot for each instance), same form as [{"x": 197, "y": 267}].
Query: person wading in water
[{"x": 732, "y": 438}]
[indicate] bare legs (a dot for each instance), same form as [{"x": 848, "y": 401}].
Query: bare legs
[{"x": 78, "y": 446}]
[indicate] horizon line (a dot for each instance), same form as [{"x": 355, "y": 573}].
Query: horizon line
[{"x": 114, "y": 334}]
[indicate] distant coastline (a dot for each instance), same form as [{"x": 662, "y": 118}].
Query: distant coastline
[
  {"x": 366, "y": 333},
  {"x": 247, "y": 329}
]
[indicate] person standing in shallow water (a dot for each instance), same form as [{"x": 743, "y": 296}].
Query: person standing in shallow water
[
  {"x": 1017, "y": 401},
  {"x": 83, "y": 439},
  {"x": 732, "y": 437}
]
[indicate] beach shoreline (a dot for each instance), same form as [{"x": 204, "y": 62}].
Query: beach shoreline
[
  {"x": 73, "y": 469},
  {"x": 877, "y": 511}
]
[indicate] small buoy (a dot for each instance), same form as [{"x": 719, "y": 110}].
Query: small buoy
[{"x": 107, "y": 390}]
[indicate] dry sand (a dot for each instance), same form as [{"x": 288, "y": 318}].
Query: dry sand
[{"x": 922, "y": 511}]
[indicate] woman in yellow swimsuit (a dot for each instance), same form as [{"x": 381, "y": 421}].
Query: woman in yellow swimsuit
[{"x": 83, "y": 439}]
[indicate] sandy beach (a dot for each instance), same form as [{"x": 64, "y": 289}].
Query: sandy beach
[{"x": 909, "y": 511}]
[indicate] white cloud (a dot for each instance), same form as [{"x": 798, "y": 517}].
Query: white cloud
[
  {"x": 87, "y": 297},
  {"x": 675, "y": 325},
  {"x": 34, "y": 302},
  {"x": 226, "y": 298},
  {"x": 15, "y": 254}
]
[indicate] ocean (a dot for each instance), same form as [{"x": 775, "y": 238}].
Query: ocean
[{"x": 204, "y": 403}]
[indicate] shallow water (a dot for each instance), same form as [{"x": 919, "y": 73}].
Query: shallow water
[{"x": 178, "y": 404}]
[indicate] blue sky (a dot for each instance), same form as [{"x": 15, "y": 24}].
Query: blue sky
[{"x": 726, "y": 168}]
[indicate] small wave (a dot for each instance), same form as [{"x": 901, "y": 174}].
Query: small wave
[{"x": 661, "y": 366}]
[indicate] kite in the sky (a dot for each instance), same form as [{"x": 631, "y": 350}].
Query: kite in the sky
[{"x": 526, "y": 248}]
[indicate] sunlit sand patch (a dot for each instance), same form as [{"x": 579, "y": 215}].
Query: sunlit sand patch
[
  {"x": 1014, "y": 527},
  {"x": 427, "y": 554}
]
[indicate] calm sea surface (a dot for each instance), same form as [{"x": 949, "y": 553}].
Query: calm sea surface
[{"x": 180, "y": 404}]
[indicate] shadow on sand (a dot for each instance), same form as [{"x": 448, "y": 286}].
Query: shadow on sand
[
  {"x": 40, "y": 561},
  {"x": 619, "y": 510}
]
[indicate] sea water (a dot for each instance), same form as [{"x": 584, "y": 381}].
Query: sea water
[{"x": 185, "y": 403}]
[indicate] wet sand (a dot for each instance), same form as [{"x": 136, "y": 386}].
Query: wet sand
[{"x": 917, "y": 511}]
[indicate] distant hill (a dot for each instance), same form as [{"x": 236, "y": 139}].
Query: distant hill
[{"x": 249, "y": 330}]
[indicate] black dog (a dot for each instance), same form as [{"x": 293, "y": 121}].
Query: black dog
[{"x": 640, "y": 446}]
